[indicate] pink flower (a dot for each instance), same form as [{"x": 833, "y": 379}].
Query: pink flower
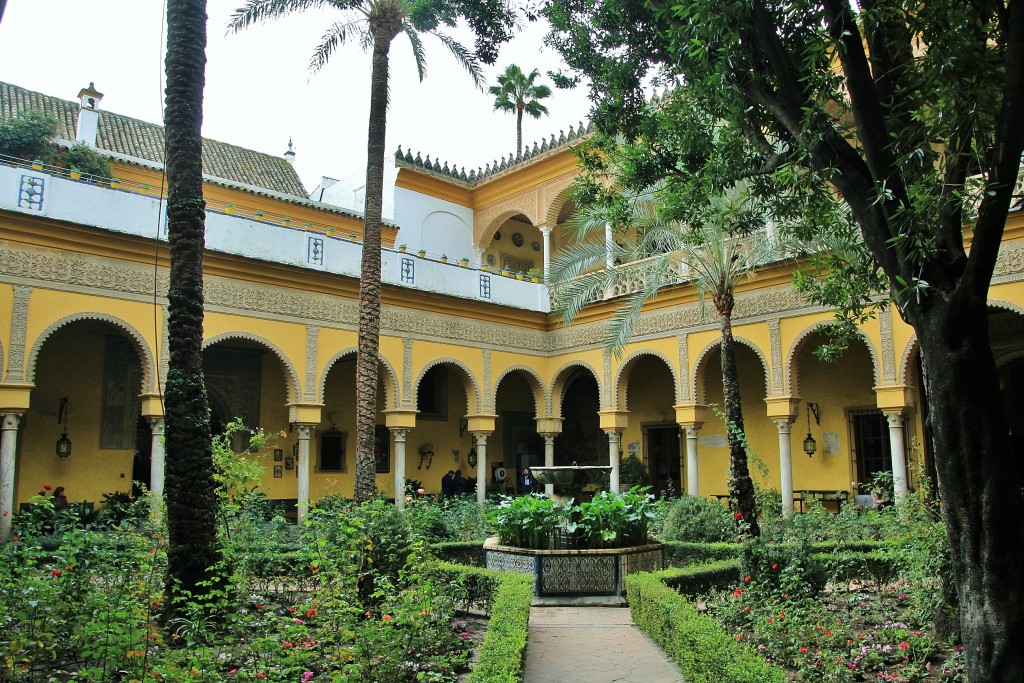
[
  {"x": 421, "y": 491},
  {"x": 232, "y": 672},
  {"x": 464, "y": 634},
  {"x": 775, "y": 565},
  {"x": 286, "y": 644},
  {"x": 904, "y": 645},
  {"x": 307, "y": 676}
]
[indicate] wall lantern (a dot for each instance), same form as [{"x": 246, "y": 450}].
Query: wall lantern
[
  {"x": 810, "y": 445},
  {"x": 471, "y": 457},
  {"x": 63, "y": 443}
]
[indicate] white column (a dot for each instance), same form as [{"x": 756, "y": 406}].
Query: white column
[
  {"x": 785, "y": 427},
  {"x": 305, "y": 432},
  {"x": 8, "y": 441},
  {"x": 481, "y": 468},
  {"x": 479, "y": 253},
  {"x": 896, "y": 448},
  {"x": 613, "y": 459},
  {"x": 549, "y": 461},
  {"x": 692, "y": 488},
  {"x": 545, "y": 230},
  {"x": 158, "y": 457},
  {"x": 609, "y": 241},
  {"x": 399, "y": 435}
]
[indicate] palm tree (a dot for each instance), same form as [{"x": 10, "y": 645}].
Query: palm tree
[
  {"x": 375, "y": 24},
  {"x": 193, "y": 550},
  {"x": 713, "y": 256},
  {"x": 517, "y": 92}
]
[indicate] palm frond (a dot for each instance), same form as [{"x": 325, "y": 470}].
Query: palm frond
[
  {"x": 337, "y": 34},
  {"x": 256, "y": 11},
  {"x": 464, "y": 56},
  {"x": 418, "y": 54}
]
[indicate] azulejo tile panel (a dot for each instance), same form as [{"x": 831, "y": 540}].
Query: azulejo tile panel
[
  {"x": 510, "y": 562},
  {"x": 578, "y": 575}
]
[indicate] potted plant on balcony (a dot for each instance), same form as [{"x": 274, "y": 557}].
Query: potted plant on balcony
[
  {"x": 75, "y": 174},
  {"x": 257, "y": 215},
  {"x": 229, "y": 209},
  {"x": 401, "y": 248},
  {"x": 464, "y": 262},
  {"x": 444, "y": 258},
  {"x": 535, "y": 274},
  {"x": 115, "y": 183},
  {"x": 422, "y": 253},
  {"x": 505, "y": 271}
]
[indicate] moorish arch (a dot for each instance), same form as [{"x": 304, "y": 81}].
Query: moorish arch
[
  {"x": 698, "y": 377},
  {"x": 561, "y": 199},
  {"x": 469, "y": 382},
  {"x": 533, "y": 380},
  {"x": 791, "y": 375},
  {"x": 146, "y": 358},
  {"x": 486, "y": 225},
  {"x": 905, "y": 367},
  {"x": 291, "y": 376},
  {"x": 562, "y": 377},
  {"x": 620, "y": 384},
  {"x": 391, "y": 397},
  {"x": 1006, "y": 333}
]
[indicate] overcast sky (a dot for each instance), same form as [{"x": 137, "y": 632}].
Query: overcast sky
[{"x": 259, "y": 91}]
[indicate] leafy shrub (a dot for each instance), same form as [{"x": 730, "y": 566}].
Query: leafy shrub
[
  {"x": 88, "y": 160},
  {"x": 28, "y": 136},
  {"x": 694, "y": 519},
  {"x": 470, "y": 553},
  {"x": 632, "y": 472},
  {"x": 527, "y": 521}
]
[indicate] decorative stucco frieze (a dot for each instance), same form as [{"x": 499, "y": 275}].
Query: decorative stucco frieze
[
  {"x": 407, "y": 395},
  {"x": 1010, "y": 261},
  {"x": 312, "y": 340},
  {"x": 888, "y": 348},
  {"x": 775, "y": 339},
  {"x": 165, "y": 348},
  {"x": 487, "y": 382},
  {"x": 19, "y": 325},
  {"x": 80, "y": 271},
  {"x": 684, "y": 369}
]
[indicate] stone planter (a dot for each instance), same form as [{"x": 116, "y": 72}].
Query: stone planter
[{"x": 576, "y": 573}]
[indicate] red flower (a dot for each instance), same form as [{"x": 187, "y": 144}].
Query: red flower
[
  {"x": 258, "y": 606},
  {"x": 904, "y": 645},
  {"x": 56, "y": 572},
  {"x": 386, "y": 617},
  {"x": 746, "y": 610},
  {"x": 803, "y": 650},
  {"x": 310, "y": 613},
  {"x": 771, "y": 619},
  {"x": 775, "y": 565},
  {"x": 746, "y": 579},
  {"x": 738, "y": 515},
  {"x": 47, "y": 487}
]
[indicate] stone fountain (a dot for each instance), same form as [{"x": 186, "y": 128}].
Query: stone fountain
[{"x": 587, "y": 576}]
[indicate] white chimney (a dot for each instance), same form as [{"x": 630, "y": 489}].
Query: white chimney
[
  {"x": 88, "y": 114},
  {"x": 289, "y": 156}
]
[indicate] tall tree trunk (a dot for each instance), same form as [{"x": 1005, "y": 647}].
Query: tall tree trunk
[
  {"x": 190, "y": 489},
  {"x": 741, "y": 486},
  {"x": 367, "y": 360},
  {"x": 979, "y": 484},
  {"x": 519, "y": 130}
]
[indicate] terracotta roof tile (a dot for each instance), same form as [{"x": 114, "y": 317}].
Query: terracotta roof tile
[{"x": 135, "y": 138}]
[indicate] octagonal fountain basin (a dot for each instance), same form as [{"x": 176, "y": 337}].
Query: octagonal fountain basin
[
  {"x": 573, "y": 477},
  {"x": 575, "y": 574}
]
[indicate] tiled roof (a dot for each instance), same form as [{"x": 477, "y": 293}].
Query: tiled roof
[
  {"x": 479, "y": 175},
  {"x": 142, "y": 140}
]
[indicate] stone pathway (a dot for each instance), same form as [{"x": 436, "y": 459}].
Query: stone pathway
[{"x": 592, "y": 645}]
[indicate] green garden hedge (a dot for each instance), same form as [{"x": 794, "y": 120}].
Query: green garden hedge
[
  {"x": 506, "y": 597},
  {"x": 702, "y": 649}
]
